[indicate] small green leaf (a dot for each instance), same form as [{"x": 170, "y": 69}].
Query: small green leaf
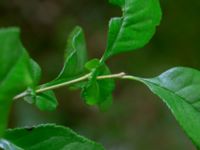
[
  {"x": 49, "y": 137},
  {"x": 91, "y": 93},
  {"x": 135, "y": 28},
  {"x": 98, "y": 92},
  {"x": 179, "y": 89},
  {"x": 15, "y": 74},
  {"x": 92, "y": 64},
  {"x": 75, "y": 59},
  {"x": 46, "y": 101},
  {"x": 76, "y": 55}
]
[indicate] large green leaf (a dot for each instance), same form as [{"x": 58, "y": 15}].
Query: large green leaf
[
  {"x": 49, "y": 137},
  {"x": 135, "y": 28},
  {"x": 179, "y": 89},
  {"x": 98, "y": 92},
  {"x": 15, "y": 73},
  {"x": 15, "y": 65}
]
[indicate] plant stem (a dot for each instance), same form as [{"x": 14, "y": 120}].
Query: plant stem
[
  {"x": 63, "y": 84},
  {"x": 129, "y": 77},
  {"x": 121, "y": 75}
]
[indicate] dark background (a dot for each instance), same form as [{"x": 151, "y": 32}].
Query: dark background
[{"x": 138, "y": 120}]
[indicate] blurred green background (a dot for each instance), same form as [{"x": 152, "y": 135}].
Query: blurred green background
[{"x": 138, "y": 120}]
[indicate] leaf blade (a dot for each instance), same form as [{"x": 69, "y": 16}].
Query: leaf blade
[
  {"x": 171, "y": 87},
  {"x": 45, "y": 101},
  {"x": 135, "y": 28},
  {"x": 75, "y": 56},
  {"x": 15, "y": 74},
  {"x": 53, "y": 138},
  {"x": 98, "y": 92}
]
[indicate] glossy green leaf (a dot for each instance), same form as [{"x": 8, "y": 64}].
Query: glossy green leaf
[
  {"x": 136, "y": 26},
  {"x": 76, "y": 55},
  {"x": 15, "y": 74},
  {"x": 98, "y": 92},
  {"x": 45, "y": 101},
  {"x": 49, "y": 137},
  {"x": 179, "y": 89}
]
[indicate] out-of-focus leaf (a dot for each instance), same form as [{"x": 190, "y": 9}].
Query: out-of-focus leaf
[
  {"x": 179, "y": 89},
  {"x": 135, "y": 28},
  {"x": 50, "y": 137},
  {"x": 45, "y": 101},
  {"x": 15, "y": 74},
  {"x": 92, "y": 64},
  {"x": 98, "y": 92}
]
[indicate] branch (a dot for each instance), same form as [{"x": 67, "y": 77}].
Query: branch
[{"x": 121, "y": 75}]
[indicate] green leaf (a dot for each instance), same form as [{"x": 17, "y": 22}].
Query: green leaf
[
  {"x": 98, "y": 92},
  {"x": 179, "y": 89},
  {"x": 135, "y": 28},
  {"x": 91, "y": 93},
  {"x": 36, "y": 72},
  {"x": 75, "y": 59},
  {"x": 15, "y": 65},
  {"x": 92, "y": 64},
  {"x": 76, "y": 55},
  {"x": 49, "y": 137},
  {"x": 15, "y": 74},
  {"x": 45, "y": 101}
]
